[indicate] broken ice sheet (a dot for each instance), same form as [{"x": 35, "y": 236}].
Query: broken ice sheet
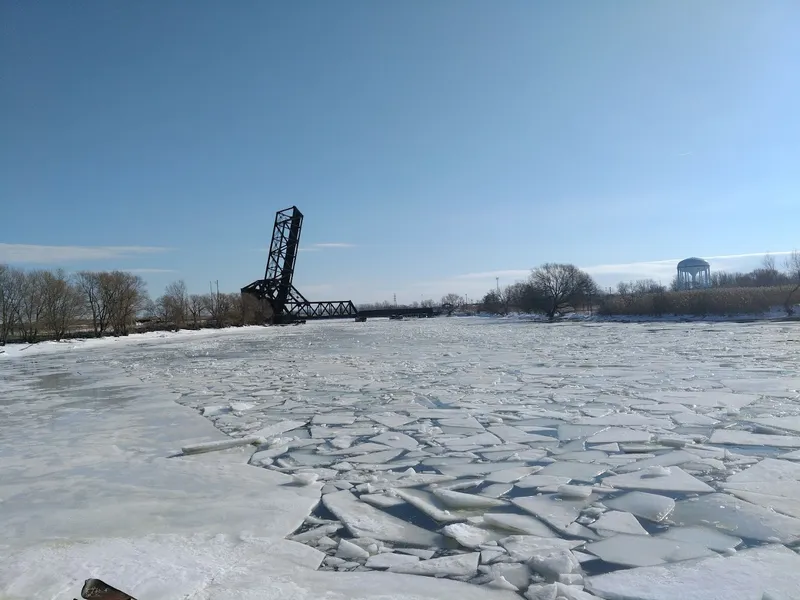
[
  {"x": 737, "y": 517},
  {"x": 470, "y": 536},
  {"x": 510, "y": 475},
  {"x": 363, "y": 520},
  {"x": 737, "y": 437},
  {"x": 674, "y": 479},
  {"x": 519, "y": 524},
  {"x": 394, "y": 439},
  {"x": 614, "y": 522},
  {"x": 772, "y": 483},
  {"x": 620, "y": 434},
  {"x": 433, "y": 506},
  {"x": 453, "y": 566},
  {"x": 461, "y": 501},
  {"x": 643, "y": 551},
  {"x": 574, "y": 470},
  {"x": 705, "y": 536},
  {"x": 552, "y": 510},
  {"x": 769, "y": 572},
  {"x": 652, "y": 507},
  {"x": 524, "y": 547}
]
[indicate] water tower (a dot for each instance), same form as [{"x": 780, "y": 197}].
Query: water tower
[{"x": 694, "y": 273}]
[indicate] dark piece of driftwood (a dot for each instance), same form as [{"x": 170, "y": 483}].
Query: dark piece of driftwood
[{"x": 94, "y": 589}]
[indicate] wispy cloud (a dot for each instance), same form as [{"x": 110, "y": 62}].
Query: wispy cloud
[{"x": 36, "y": 254}]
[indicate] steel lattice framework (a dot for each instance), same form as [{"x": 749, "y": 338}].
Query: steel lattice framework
[{"x": 287, "y": 303}]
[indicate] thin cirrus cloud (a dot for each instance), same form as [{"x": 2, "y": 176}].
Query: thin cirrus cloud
[{"x": 38, "y": 254}]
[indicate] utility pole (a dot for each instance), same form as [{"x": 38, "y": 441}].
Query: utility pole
[{"x": 497, "y": 280}]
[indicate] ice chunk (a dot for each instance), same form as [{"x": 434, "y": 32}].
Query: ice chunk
[
  {"x": 317, "y": 533},
  {"x": 668, "y": 459},
  {"x": 576, "y": 471},
  {"x": 710, "y": 399},
  {"x": 772, "y": 483},
  {"x": 614, "y": 521},
  {"x": 518, "y": 575},
  {"x": 363, "y": 520},
  {"x": 643, "y": 551},
  {"x": 376, "y": 457},
  {"x": 619, "y": 434},
  {"x": 395, "y": 439},
  {"x": 574, "y": 491},
  {"x": 788, "y": 423},
  {"x": 488, "y": 556},
  {"x": 518, "y": 524},
  {"x": 349, "y": 551},
  {"x": 501, "y": 583},
  {"x": 215, "y": 411},
  {"x": 468, "y": 535},
  {"x": 542, "y": 592},
  {"x": 677, "y": 480},
  {"x": 652, "y": 507},
  {"x": 753, "y": 574},
  {"x": 221, "y": 445},
  {"x": 333, "y": 419},
  {"x": 278, "y": 428},
  {"x": 552, "y": 564},
  {"x": 693, "y": 419},
  {"x": 524, "y": 547},
  {"x": 705, "y": 536},
  {"x": 459, "y": 500},
  {"x": 577, "y": 432},
  {"x": 555, "y": 512},
  {"x": 341, "y": 442},
  {"x": 628, "y": 419},
  {"x": 418, "y": 552},
  {"x": 737, "y": 517},
  {"x": 453, "y": 566},
  {"x": 392, "y": 420},
  {"x": 381, "y": 500},
  {"x": 511, "y": 434},
  {"x": 496, "y": 490},
  {"x": 304, "y": 478},
  {"x": 464, "y": 422},
  {"x": 472, "y": 469},
  {"x": 480, "y": 439},
  {"x": 535, "y": 481},
  {"x": 432, "y": 506},
  {"x": 736, "y": 437},
  {"x": 388, "y": 560},
  {"x": 510, "y": 475}
]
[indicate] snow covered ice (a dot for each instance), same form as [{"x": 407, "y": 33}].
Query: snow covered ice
[{"x": 439, "y": 458}]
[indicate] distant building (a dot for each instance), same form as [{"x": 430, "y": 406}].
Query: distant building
[{"x": 694, "y": 273}]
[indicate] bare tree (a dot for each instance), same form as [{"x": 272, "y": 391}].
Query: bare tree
[
  {"x": 793, "y": 272},
  {"x": 492, "y": 302},
  {"x": 561, "y": 287},
  {"x": 30, "y": 307},
  {"x": 10, "y": 297},
  {"x": 453, "y": 299},
  {"x": 235, "y": 312},
  {"x": 173, "y": 306},
  {"x": 61, "y": 303},
  {"x": 97, "y": 291},
  {"x": 197, "y": 305},
  {"x": 127, "y": 294}
]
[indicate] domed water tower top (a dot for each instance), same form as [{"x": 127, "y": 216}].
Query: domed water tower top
[{"x": 693, "y": 262}]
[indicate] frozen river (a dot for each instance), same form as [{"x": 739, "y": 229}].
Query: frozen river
[{"x": 620, "y": 461}]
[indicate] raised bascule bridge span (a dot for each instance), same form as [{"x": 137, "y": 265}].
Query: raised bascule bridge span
[{"x": 279, "y": 302}]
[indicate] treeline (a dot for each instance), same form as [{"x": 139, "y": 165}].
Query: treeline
[
  {"x": 50, "y": 304},
  {"x": 555, "y": 289}
]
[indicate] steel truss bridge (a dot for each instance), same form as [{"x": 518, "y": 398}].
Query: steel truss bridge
[{"x": 287, "y": 304}]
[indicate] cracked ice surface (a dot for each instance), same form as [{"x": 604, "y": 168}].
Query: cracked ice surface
[{"x": 503, "y": 453}]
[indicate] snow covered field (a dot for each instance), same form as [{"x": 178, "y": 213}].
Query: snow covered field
[{"x": 619, "y": 461}]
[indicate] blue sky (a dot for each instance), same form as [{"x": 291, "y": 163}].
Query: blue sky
[{"x": 432, "y": 146}]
